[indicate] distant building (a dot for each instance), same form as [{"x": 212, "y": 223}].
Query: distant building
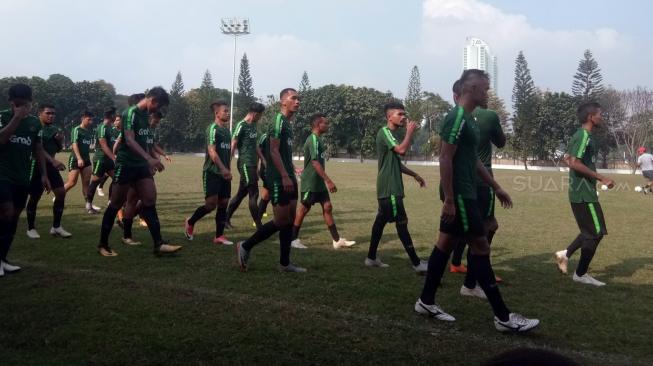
[{"x": 477, "y": 55}]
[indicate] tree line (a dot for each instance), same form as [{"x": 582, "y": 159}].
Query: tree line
[{"x": 538, "y": 129}]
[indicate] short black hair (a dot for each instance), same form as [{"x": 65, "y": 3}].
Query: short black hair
[
  {"x": 20, "y": 91},
  {"x": 217, "y": 104},
  {"x": 135, "y": 98},
  {"x": 457, "y": 87},
  {"x": 467, "y": 74},
  {"x": 392, "y": 105},
  {"x": 286, "y": 91},
  {"x": 43, "y": 106},
  {"x": 157, "y": 114},
  {"x": 256, "y": 107},
  {"x": 315, "y": 118},
  {"x": 160, "y": 95},
  {"x": 110, "y": 112},
  {"x": 87, "y": 113},
  {"x": 586, "y": 109}
]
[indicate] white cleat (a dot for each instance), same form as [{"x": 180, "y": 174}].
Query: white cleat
[
  {"x": 562, "y": 261},
  {"x": 33, "y": 234},
  {"x": 375, "y": 263},
  {"x": 60, "y": 232},
  {"x": 100, "y": 192},
  {"x": 297, "y": 244},
  {"x": 422, "y": 267},
  {"x": 516, "y": 323},
  {"x": 92, "y": 209},
  {"x": 432, "y": 311},
  {"x": 343, "y": 243},
  {"x": 473, "y": 292},
  {"x": 9, "y": 268},
  {"x": 292, "y": 268},
  {"x": 587, "y": 280}
]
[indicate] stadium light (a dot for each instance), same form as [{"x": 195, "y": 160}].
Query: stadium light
[{"x": 234, "y": 27}]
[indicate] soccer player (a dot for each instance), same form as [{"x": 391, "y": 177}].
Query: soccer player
[
  {"x": 461, "y": 218},
  {"x": 282, "y": 182},
  {"x": 263, "y": 145},
  {"x": 79, "y": 162},
  {"x": 19, "y": 139},
  {"x": 581, "y": 158},
  {"x": 52, "y": 142},
  {"x": 645, "y": 162},
  {"x": 244, "y": 139},
  {"x": 316, "y": 184},
  {"x": 134, "y": 167},
  {"x": 216, "y": 174},
  {"x": 104, "y": 157},
  {"x": 390, "y": 185}
]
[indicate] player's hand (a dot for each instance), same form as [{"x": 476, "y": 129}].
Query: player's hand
[
  {"x": 59, "y": 165},
  {"x": 80, "y": 163},
  {"x": 168, "y": 159},
  {"x": 21, "y": 112},
  {"x": 46, "y": 183},
  {"x": 608, "y": 182},
  {"x": 288, "y": 186},
  {"x": 226, "y": 174},
  {"x": 331, "y": 186},
  {"x": 156, "y": 164},
  {"x": 412, "y": 126},
  {"x": 504, "y": 198},
  {"x": 448, "y": 211},
  {"x": 420, "y": 180}
]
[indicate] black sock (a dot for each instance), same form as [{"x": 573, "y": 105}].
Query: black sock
[
  {"x": 285, "y": 238},
  {"x": 107, "y": 224},
  {"x": 295, "y": 231},
  {"x": 260, "y": 235},
  {"x": 6, "y": 238},
  {"x": 482, "y": 268},
  {"x": 127, "y": 227},
  {"x": 377, "y": 232},
  {"x": 152, "y": 220},
  {"x": 30, "y": 211},
  {"x": 102, "y": 181},
  {"x": 235, "y": 202},
  {"x": 437, "y": 264},
  {"x": 220, "y": 221},
  {"x": 197, "y": 215},
  {"x": 457, "y": 256},
  {"x": 90, "y": 194},
  {"x": 334, "y": 232},
  {"x": 253, "y": 207},
  {"x": 407, "y": 241},
  {"x": 586, "y": 254},
  {"x": 111, "y": 188},
  {"x": 470, "y": 276},
  {"x": 57, "y": 212},
  {"x": 262, "y": 207},
  {"x": 490, "y": 236},
  {"x": 575, "y": 245}
]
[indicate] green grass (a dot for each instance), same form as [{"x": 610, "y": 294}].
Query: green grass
[{"x": 71, "y": 306}]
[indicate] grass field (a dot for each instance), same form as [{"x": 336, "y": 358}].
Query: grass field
[{"x": 70, "y": 306}]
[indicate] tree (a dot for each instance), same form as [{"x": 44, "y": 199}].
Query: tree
[
  {"x": 414, "y": 96},
  {"x": 587, "y": 80},
  {"x": 496, "y": 104},
  {"x": 434, "y": 108},
  {"x": 305, "y": 84},
  {"x": 555, "y": 124},
  {"x": 245, "y": 83},
  {"x": 631, "y": 122},
  {"x": 524, "y": 101},
  {"x": 177, "y": 120}
]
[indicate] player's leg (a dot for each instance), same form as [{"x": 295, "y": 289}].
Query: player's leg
[
  {"x": 224, "y": 192},
  {"x": 211, "y": 188},
  {"x": 119, "y": 197},
  {"x": 436, "y": 266},
  {"x": 303, "y": 209},
  {"x": 35, "y": 192},
  {"x": 401, "y": 223},
  {"x": 12, "y": 202},
  {"x": 593, "y": 229},
  {"x": 86, "y": 180},
  {"x": 100, "y": 187},
  {"x": 457, "y": 258},
  {"x": 263, "y": 202},
  {"x": 252, "y": 191},
  {"x": 146, "y": 191},
  {"x": 97, "y": 174},
  {"x": 73, "y": 175},
  {"x": 383, "y": 215},
  {"x": 129, "y": 212},
  {"x": 238, "y": 198},
  {"x": 284, "y": 215},
  {"x": 327, "y": 212}
]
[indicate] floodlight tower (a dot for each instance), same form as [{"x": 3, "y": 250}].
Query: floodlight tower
[{"x": 234, "y": 27}]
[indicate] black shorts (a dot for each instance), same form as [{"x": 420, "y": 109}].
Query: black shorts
[
  {"x": 281, "y": 197},
  {"x": 130, "y": 175},
  {"x": 248, "y": 175},
  {"x": 485, "y": 199},
  {"x": 14, "y": 193},
  {"x": 216, "y": 185},
  {"x": 648, "y": 174},
  {"x": 103, "y": 166},
  {"x": 311, "y": 198},
  {"x": 72, "y": 163},
  {"x": 392, "y": 209},
  {"x": 36, "y": 187},
  {"x": 468, "y": 221},
  {"x": 590, "y": 220}
]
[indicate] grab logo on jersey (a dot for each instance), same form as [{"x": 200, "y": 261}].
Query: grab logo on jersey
[
  {"x": 143, "y": 132},
  {"x": 252, "y": 135},
  {"x": 225, "y": 146},
  {"x": 27, "y": 141},
  {"x": 87, "y": 142}
]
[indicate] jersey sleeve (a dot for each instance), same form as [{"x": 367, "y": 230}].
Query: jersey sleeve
[
  {"x": 39, "y": 131},
  {"x": 497, "y": 130},
  {"x": 211, "y": 135},
  {"x": 314, "y": 147},
  {"x": 277, "y": 127},
  {"x": 74, "y": 135},
  {"x": 578, "y": 144},
  {"x": 453, "y": 124},
  {"x": 237, "y": 131},
  {"x": 387, "y": 138},
  {"x": 129, "y": 118}
]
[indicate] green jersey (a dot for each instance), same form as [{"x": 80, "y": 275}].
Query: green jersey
[
  {"x": 245, "y": 135},
  {"x": 137, "y": 121},
  {"x": 582, "y": 147},
  {"x": 114, "y": 133},
  {"x": 103, "y": 132},
  {"x": 15, "y": 155},
  {"x": 51, "y": 144},
  {"x": 83, "y": 138},
  {"x": 264, "y": 143},
  {"x": 313, "y": 151},
  {"x": 221, "y": 138},
  {"x": 460, "y": 129},
  {"x": 282, "y": 131},
  {"x": 388, "y": 180},
  {"x": 490, "y": 129}
]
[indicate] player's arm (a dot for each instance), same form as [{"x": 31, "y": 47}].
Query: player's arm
[
  {"x": 483, "y": 173},
  {"x": 577, "y": 165},
  {"x": 6, "y": 132},
  {"x": 497, "y": 136},
  {"x": 215, "y": 158},
  {"x": 278, "y": 164},
  {"x": 132, "y": 144},
  {"x": 116, "y": 145},
  {"x": 447, "y": 152},
  {"x": 420, "y": 180},
  {"x": 159, "y": 150},
  {"x": 40, "y": 154},
  {"x": 259, "y": 154},
  {"x": 403, "y": 147},
  {"x": 234, "y": 145},
  {"x": 105, "y": 148},
  {"x": 78, "y": 155}
]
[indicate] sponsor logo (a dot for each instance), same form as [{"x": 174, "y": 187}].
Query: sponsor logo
[
  {"x": 225, "y": 146},
  {"x": 27, "y": 141},
  {"x": 252, "y": 135},
  {"x": 143, "y": 132},
  {"x": 87, "y": 142}
]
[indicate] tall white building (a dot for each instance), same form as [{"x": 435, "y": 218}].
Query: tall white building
[{"x": 477, "y": 55}]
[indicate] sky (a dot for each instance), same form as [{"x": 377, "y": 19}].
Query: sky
[{"x": 139, "y": 44}]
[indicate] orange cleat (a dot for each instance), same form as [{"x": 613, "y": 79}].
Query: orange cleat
[{"x": 457, "y": 269}]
